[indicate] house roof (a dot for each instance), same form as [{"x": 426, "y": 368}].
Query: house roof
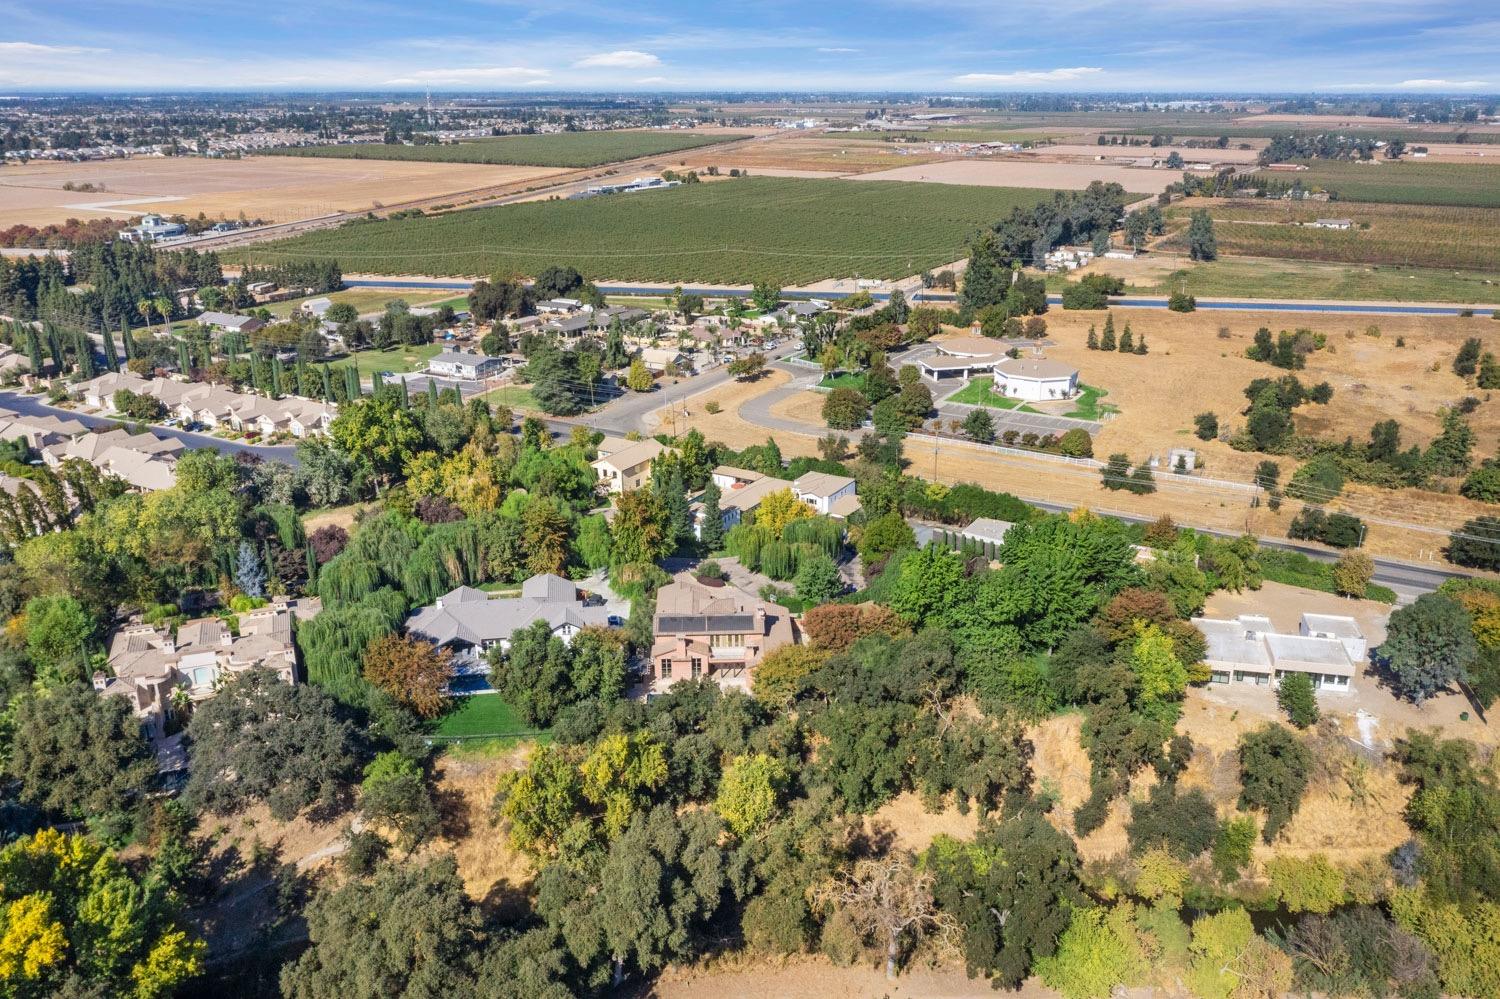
[
  {"x": 629, "y": 456},
  {"x": 746, "y": 474},
  {"x": 845, "y": 506},
  {"x": 969, "y": 346},
  {"x": 987, "y": 529},
  {"x": 1232, "y": 643},
  {"x": 1336, "y": 625},
  {"x": 1326, "y": 655},
  {"x": 473, "y": 617},
  {"x": 1036, "y": 368},
  {"x": 463, "y": 357},
  {"x": 228, "y": 320},
  {"x": 823, "y": 484},
  {"x": 747, "y": 497}
]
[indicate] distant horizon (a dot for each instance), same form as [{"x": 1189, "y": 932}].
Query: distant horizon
[
  {"x": 1436, "y": 47},
  {"x": 977, "y": 97}
]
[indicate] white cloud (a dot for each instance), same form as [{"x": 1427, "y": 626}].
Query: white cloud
[
  {"x": 1030, "y": 76},
  {"x": 652, "y": 79},
  {"x": 1418, "y": 84},
  {"x": 523, "y": 75},
  {"x": 835, "y": 48},
  {"x": 619, "y": 59},
  {"x": 33, "y": 49}
]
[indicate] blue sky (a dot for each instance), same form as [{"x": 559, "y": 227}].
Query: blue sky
[{"x": 950, "y": 46}]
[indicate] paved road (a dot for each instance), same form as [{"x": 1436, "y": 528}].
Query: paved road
[
  {"x": 32, "y": 406},
  {"x": 1133, "y": 301}
]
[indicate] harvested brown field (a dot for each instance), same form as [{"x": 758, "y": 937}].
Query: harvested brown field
[
  {"x": 1188, "y": 153},
  {"x": 824, "y": 154},
  {"x": 276, "y": 188},
  {"x": 994, "y": 172}
]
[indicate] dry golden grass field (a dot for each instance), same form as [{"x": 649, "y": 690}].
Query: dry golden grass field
[
  {"x": 1196, "y": 364},
  {"x": 994, "y": 172},
  {"x": 835, "y": 154},
  {"x": 276, "y": 188}
]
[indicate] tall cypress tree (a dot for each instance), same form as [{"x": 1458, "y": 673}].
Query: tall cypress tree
[
  {"x": 276, "y": 377},
  {"x": 127, "y": 340},
  {"x": 184, "y": 362},
  {"x": 327, "y": 383},
  {"x": 712, "y": 531},
  {"x": 111, "y": 359},
  {"x": 405, "y": 396},
  {"x": 432, "y": 395}
]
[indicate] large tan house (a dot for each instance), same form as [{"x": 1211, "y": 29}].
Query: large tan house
[
  {"x": 150, "y": 663},
  {"x": 715, "y": 630},
  {"x": 624, "y": 466}
]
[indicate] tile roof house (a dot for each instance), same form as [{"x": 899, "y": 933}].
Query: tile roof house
[
  {"x": 1249, "y": 649},
  {"x": 144, "y": 461},
  {"x": 150, "y": 663},
  {"x": 713, "y": 630},
  {"x": 38, "y": 431},
  {"x": 469, "y": 622},
  {"x": 623, "y": 466}
]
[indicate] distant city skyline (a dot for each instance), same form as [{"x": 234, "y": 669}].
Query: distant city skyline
[{"x": 962, "y": 46}]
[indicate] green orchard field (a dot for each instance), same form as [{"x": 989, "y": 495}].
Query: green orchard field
[
  {"x": 1407, "y": 182},
  {"x": 789, "y": 231},
  {"x": 557, "y": 149}
]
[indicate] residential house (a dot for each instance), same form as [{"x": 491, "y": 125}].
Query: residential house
[
  {"x": 711, "y": 629},
  {"x": 316, "y": 307},
  {"x": 1032, "y": 379},
  {"x": 149, "y": 664},
  {"x": 469, "y": 622},
  {"x": 827, "y": 494},
  {"x": 464, "y": 364},
  {"x": 559, "y": 306},
  {"x": 38, "y": 431},
  {"x": 624, "y": 465},
  {"x": 740, "y": 492},
  {"x": 231, "y": 323},
  {"x": 152, "y": 228},
  {"x": 659, "y": 359},
  {"x": 143, "y": 461},
  {"x": 1333, "y": 224},
  {"x": 570, "y": 325},
  {"x": 1249, "y": 649},
  {"x": 986, "y": 532}
]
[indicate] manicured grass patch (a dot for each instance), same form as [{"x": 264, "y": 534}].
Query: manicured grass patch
[
  {"x": 401, "y": 360},
  {"x": 363, "y": 299},
  {"x": 844, "y": 379},
  {"x": 558, "y": 149},
  {"x": 1407, "y": 182},
  {"x": 1269, "y": 278},
  {"x": 1296, "y": 569},
  {"x": 981, "y": 392},
  {"x": 478, "y": 716},
  {"x": 511, "y": 397},
  {"x": 1088, "y": 406},
  {"x": 790, "y": 231}
]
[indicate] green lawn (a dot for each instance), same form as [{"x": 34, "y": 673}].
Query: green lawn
[
  {"x": 511, "y": 397},
  {"x": 401, "y": 360},
  {"x": 558, "y": 149},
  {"x": 981, "y": 392},
  {"x": 1088, "y": 405},
  {"x": 790, "y": 231},
  {"x": 844, "y": 379},
  {"x": 478, "y": 716},
  {"x": 365, "y": 299}
]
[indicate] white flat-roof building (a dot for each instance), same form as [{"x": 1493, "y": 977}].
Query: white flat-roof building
[
  {"x": 1248, "y": 649},
  {"x": 1032, "y": 379}
]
